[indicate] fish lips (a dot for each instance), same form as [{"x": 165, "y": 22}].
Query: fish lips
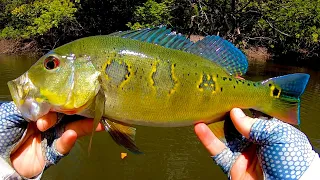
[{"x": 30, "y": 107}]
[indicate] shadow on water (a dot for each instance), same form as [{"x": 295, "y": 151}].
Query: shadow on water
[{"x": 168, "y": 153}]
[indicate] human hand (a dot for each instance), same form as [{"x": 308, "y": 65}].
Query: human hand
[
  {"x": 269, "y": 149},
  {"x": 33, "y": 146}
]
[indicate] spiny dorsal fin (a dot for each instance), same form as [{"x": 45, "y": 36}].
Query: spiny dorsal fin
[
  {"x": 123, "y": 135},
  {"x": 158, "y": 35},
  {"x": 221, "y": 52},
  {"x": 214, "y": 48}
]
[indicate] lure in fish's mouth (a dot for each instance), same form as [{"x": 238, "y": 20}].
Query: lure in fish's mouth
[{"x": 23, "y": 94}]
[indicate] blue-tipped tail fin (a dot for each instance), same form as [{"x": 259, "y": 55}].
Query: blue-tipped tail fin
[{"x": 287, "y": 91}]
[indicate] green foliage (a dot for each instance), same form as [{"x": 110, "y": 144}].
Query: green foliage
[
  {"x": 152, "y": 14},
  {"x": 284, "y": 26},
  {"x": 294, "y": 24},
  {"x": 51, "y": 23},
  {"x": 205, "y": 17},
  {"x": 105, "y": 16},
  {"x": 25, "y": 20}
]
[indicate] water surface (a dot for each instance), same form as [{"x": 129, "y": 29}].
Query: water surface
[{"x": 169, "y": 153}]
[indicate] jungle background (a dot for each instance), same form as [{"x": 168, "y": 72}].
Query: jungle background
[{"x": 272, "y": 28}]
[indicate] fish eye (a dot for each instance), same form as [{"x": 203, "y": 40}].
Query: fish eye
[{"x": 51, "y": 63}]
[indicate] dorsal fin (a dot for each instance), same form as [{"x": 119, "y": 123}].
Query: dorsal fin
[
  {"x": 221, "y": 52},
  {"x": 158, "y": 35},
  {"x": 214, "y": 48}
]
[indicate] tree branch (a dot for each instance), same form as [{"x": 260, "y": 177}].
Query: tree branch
[{"x": 271, "y": 25}]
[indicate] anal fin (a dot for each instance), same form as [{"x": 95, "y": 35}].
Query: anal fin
[
  {"x": 218, "y": 130},
  {"x": 123, "y": 135},
  {"x": 225, "y": 130}
]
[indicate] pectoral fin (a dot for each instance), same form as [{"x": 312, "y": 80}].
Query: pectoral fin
[
  {"x": 122, "y": 134},
  {"x": 99, "y": 108}
]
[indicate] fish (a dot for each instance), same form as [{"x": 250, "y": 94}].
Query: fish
[{"x": 151, "y": 77}]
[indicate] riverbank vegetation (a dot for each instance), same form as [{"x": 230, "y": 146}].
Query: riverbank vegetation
[{"x": 279, "y": 27}]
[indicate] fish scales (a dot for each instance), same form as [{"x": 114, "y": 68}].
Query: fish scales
[{"x": 148, "y": 85}]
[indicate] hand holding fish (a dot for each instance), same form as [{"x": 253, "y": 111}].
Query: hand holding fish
[
  {"x": 32, "y": 147},
  {"x": 267, "y": 149}
]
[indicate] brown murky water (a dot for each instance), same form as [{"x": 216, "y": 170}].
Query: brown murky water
[{"x": 169, "y": 153}]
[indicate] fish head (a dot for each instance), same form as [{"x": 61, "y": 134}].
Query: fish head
[{"x": 60, "y": 83}]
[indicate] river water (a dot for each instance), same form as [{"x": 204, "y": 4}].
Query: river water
[{"x": 169, "y": 153}]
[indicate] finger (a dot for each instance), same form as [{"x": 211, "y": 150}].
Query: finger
[
  {"x": 242, "y": 122},
  {"x": 208, "y": 139},
  {"x": 65, "y": 143},
  {"x": 47, "y": 121},
  {"x": 83, "y": 127}
]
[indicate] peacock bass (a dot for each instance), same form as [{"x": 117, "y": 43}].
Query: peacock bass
[{"x": 150, "y": 77}]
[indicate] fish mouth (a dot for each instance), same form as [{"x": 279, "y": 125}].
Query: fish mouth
[{"x": 23, "y": 94}]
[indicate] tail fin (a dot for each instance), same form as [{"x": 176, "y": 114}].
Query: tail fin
[{"x": 287, "y": 91}]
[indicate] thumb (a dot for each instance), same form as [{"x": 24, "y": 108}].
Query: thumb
[{"x": 241, "y": 121}]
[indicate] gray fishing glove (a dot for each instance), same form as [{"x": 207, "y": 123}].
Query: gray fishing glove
[
  {"x": 283, "y": 151},
  {"x": 13, "y": 129}
]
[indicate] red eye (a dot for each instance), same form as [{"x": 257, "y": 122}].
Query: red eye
[{"x": 51, "y": 63}]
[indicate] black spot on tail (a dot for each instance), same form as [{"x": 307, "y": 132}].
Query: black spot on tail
[{"x": 276, "y": 92}]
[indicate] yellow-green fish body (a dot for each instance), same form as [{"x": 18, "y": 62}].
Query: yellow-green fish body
[{"x": 147, "y": 84}]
